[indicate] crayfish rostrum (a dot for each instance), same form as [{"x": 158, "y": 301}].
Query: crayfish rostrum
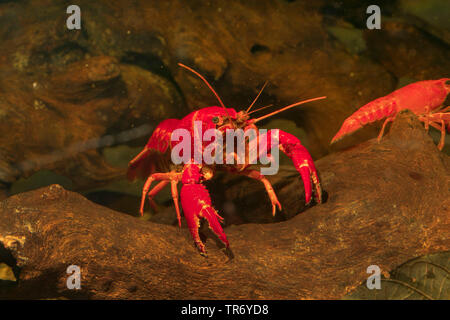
[{"x": 195, "y": 198}]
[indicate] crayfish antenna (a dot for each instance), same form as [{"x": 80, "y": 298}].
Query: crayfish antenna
[
  {"x": 259, "y": 109},
  {"x": 207, "y": 83},
  {"x": 287, "y": 107},
  {"x": 260, "y": 91}
]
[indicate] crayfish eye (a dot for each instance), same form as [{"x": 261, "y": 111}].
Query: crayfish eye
[{"x": 215, "y": 120}]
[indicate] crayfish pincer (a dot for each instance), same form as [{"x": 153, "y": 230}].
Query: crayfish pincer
[{"x": 163, "y": 160}]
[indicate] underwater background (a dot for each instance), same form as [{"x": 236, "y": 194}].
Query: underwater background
[{"x": 77, "y": 105}]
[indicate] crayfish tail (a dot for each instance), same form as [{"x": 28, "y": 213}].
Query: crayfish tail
[
  {"x": 349, "y": 126},
  {"x": 373, "y": 111}
]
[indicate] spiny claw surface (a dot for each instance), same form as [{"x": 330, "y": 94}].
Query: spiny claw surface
[{"x": 196, "y": 204}]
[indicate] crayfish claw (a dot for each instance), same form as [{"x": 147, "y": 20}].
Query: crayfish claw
[
  {"x": 305, "y": 173},
  {"x": 196, "y": 204}
]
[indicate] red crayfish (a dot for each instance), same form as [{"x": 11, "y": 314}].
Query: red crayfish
[
  {"x": 424, "y": 98},
  {"x": 195, "y": 198}
]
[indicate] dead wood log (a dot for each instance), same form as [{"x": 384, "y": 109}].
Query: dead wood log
[{"x": 387, "y": 203}]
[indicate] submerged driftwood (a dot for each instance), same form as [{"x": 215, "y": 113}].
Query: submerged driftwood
[
  {"x": 76, "y": 92},
  {"x": 387, "y": 203}
]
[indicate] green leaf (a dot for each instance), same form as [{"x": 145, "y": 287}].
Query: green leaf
[{"x": 423, "y": 278}]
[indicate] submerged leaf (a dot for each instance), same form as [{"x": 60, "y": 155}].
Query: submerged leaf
[{"x": 426, "y": 277}]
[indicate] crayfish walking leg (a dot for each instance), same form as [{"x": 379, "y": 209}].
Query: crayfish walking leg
[
  {"x": 438, "y": 120},
  {"x": 173, "y": 177},
  {"x": 255, "y": 174}
]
